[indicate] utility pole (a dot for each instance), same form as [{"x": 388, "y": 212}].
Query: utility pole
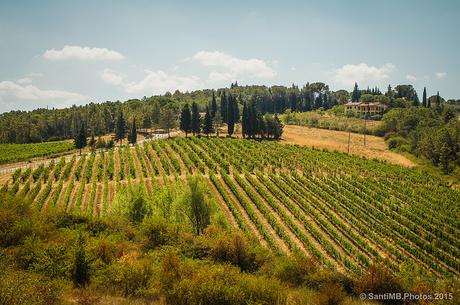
[{"x": 349, "y": 134}]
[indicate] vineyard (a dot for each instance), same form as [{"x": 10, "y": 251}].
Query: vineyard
[
  {"x": 19, "y": 152},
  {"x": 343, "y": 211}
]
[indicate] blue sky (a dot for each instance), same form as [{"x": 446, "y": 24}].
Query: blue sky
[{"x": 57, "y": 53}]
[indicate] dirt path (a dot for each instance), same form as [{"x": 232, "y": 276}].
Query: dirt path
[
  {"x": 338, "y": 140},
  {"x": 299, "y": 244},
  {"x": 247, "y": 220},
  {"x": 223, "y": 206},
  {"x": 279, "y": 241}
]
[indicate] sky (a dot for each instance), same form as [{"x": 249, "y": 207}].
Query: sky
[{"x": 59, "y": 53}]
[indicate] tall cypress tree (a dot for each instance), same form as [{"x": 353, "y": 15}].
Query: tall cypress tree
[
  {"x": 195, "y": 119},
  {"x": 213, "y": 105},
  {"x": 223, "y": 106},
  {"x": 236, "y": 110},
  {"x": 80, "y": 139},
  {"x": 245, "y": 121},
  {"x": 438, "y": 102},
  {"x": 120, "y": 127},
  {"x": 355, "y": 95},
  {"x": 230, "y": 116},
  {"x": 424, "y": 104},
  {"x": 186, "y": 120},
  {"x": 132, "y": 138},
  {"x": 207, "y": 125}
]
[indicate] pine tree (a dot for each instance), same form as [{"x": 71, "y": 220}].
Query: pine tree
[
  {"x": 120, "y": 128},
  {"x": 213, "y": 105},
  {"x": 207, "y": 124},
  {"x": 80, "y": 139},
  {"x": 230, "y": 116},
  {"x": 424, "y": 103},
  {"x": 186, "y": 120},
  {"x": 80, "y": 273},
  {"x": 195, "y": 124},
  {"x": 132, "y": 137},
  {"x": 223, "y": 107},
  {"x": 355, "y": 95}
]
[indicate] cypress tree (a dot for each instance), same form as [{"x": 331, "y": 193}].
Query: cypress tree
[
  {"x": 186, "y": 120},
  {"x": 120, "y": 128},
  {"x": 213, "y": 105},
  {"x": 195, "y": 119},
  {"x": 223, "y": 107},
  {"x": 245, "y": 121},
  {"x": 230, "y": 116},
  {"x": 252, "y": 120},
  {"x": 438, "y": 103},
  {"x": 132, "y": 138},
  {"x": 355, "y": 95},
  {"x": 236, "y": 111},
  {"x": 80, "y": 139},
  {"x": 424, "y": 104},
  {"x": 207, "y": 126}
]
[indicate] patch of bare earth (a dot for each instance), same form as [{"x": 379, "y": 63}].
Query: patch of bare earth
[{"x": 375, "y": 147}]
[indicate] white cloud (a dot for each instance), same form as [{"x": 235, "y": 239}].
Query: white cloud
[
  {"x": 360, "y": 73},
  {"x": 160, "y": 82},
  {"x": 154, "y": 82},
  {"x": 411, "y": 77},
  {"x": 441, "y": 74},
  {"x": 234, "y": 67},
  {"x": 15, "y": 95},
  {"x": 112, "y": 77},
  {"x": 24, "y": 81},
  {"x": 218, "y": 77},
  {"x": 82, "y": 53}
]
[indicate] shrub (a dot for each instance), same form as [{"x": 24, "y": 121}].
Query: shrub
[
  {"x": 20, "y": 287},
  {"x": 158, "y": 232},
  {"x": 396, "y": 142}
]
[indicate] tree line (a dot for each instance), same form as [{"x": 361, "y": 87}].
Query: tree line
[
  {"x": 253, "y": 123},
  {"x": 157, "y": 111}
]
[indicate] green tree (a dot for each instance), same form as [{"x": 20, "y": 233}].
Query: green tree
[
  {"x": 207, "y": 124},
  {"x": 438, "y": 103},
  {"x": 186, "y": 120},
  {"x": 196, "y": 205},
  {"x": 213, "y": 105},
  {"x": 80, "y": 140},
  {"x": 245, "y": 121},
  {"x": 230, "y": 116},
  {"x": 168, "y": 119},
  {"x": 132, "y": 137},
  {"x": 356, "y": 94},
  {"x": 120, "y": 128},
  {"x": 80, "y": 272},
  {"x": 195, "y": 119},
  {"x": 217, "y": 122},
  {"x": 424, "y": 102},
  {"x": 223, "y": 106}
]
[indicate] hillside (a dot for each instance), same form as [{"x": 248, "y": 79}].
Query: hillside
[{"x": 336, "y": 208}]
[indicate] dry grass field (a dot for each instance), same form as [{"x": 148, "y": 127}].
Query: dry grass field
[{"x": 375, "y": 147}]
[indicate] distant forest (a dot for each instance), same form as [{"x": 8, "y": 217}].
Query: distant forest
[{"x": 100, "y": 118}]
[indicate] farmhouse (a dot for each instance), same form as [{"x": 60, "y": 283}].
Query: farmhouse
[{"x": 362, "y": 108}]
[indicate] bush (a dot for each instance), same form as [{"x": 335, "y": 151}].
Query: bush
[
  {"x": 126, "y": 277},
  {"x": 396, "y": 142},
  {"x": 158, "y": 232},
  {"x": 20, "y": 288},
  {"x": 294, "y": 270},
  {"x": 16, "y": 221},
  {"x": 219, "y": 284}
]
